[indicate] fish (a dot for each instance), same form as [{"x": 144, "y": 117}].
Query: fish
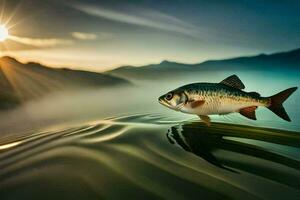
[{"x": 225, "y": 97}]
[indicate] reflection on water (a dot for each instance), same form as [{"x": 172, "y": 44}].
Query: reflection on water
[
  {"x": 205, "y": 142},
  {"x": 199, "y": 144},
  {"x": 131, "y": 157}
]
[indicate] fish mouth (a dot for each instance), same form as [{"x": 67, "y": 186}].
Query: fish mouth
[{"x": 163, "y": 102}]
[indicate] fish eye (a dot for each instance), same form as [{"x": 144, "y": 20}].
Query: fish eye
[{"x": 169, "y": 96}]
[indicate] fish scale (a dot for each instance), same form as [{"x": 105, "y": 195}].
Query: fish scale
[
  {"x": 218, "y": 95},
  {"x": 226, "y": 97}
]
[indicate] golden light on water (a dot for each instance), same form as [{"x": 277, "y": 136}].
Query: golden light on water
[{"x": 3, "y": 33}]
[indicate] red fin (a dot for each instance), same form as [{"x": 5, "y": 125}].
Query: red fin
[
  {"x": 249, "y": 112},
  {"x": 277, "y": 100},
  {"x": 205, "y": 119},
  {"x": 195, "y": 104}
]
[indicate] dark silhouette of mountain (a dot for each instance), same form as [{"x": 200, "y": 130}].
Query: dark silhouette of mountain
[
  {"x": 167, "y": 69},
  {"x": 21, "y": 82}
]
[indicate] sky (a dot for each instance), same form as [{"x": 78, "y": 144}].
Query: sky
[{"x": 99, "y": 35}]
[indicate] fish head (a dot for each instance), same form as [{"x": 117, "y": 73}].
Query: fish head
[{"x": 174, "y": 100}]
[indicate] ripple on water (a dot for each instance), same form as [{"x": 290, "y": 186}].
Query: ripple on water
[{"x": 152, "y": 157}]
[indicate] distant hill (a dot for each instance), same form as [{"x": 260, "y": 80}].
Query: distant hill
[
  {"x": 21, "y": 82},
  {"x": 167, "y": 69}
]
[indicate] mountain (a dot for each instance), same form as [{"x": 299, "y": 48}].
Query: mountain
[
  {"x": 167, "y": 69},
  {"x": 20, "y": 82}
]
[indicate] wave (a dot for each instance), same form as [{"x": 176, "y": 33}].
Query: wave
[{"x": 151, "y": 157}]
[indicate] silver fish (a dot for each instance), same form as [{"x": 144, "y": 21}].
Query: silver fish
[{"x": 222, "y": 98}]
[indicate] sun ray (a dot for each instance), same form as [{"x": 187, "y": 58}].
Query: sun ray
[
  {"x": 43, "y": 80},
  {"x": 32, "y": 15},
  {"x": 13, "y": 13},
  {"x": 12, "y": 25},
  {"x": 8, "y": 23},
  {"x": 10, "y": 76},
  {"x": 28, "y": 82},
  {"x": 2, "y": 10},
  {"x": 20, "y": 82}
]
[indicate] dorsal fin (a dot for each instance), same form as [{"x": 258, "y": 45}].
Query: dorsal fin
[
  {"x": 255, "y": 94},
  {"x": 233, "y": 81}
]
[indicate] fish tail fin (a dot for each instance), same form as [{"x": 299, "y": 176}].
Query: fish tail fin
[{"x": 277, "y": 101}]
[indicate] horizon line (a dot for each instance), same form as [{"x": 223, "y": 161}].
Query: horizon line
[{"x": 146, "y": 64}]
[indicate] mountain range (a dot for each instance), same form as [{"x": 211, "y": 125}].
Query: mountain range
[
  {"x": 20, "y": 82},
  {"x": 166, "y": 69}
]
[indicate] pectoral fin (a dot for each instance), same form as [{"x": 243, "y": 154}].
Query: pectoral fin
[
  {"x": 249, "y": 112},
  {"x": 205, "y": 119},
  {"x": 195, "y": 104}
]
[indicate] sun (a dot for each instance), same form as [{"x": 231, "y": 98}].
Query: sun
[{"x": 3, "y": 33}]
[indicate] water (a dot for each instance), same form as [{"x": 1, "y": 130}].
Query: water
[
  {"x": 146, "y": 156},
  {"x": 68, "y": 146}
]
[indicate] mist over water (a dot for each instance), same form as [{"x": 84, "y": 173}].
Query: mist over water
[
  {"x": 84, "y": 105},
  {"x": 85, "y": 143}
]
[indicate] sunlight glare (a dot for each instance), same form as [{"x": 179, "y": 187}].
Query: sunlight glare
[{"x": 3, "y": 33}]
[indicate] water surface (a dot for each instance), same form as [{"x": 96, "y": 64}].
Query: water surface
[{"x": 151, "y": 157}]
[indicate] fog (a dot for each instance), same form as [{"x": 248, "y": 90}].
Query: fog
[{"x": 85, "y": 105}]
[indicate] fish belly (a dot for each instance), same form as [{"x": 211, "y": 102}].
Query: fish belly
[
  {"x": 208, "y": 108},
  {"x": 230, "y": 106},
  {"x": 220, "y": 106},
  {"x": 220, "y": 109}
]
